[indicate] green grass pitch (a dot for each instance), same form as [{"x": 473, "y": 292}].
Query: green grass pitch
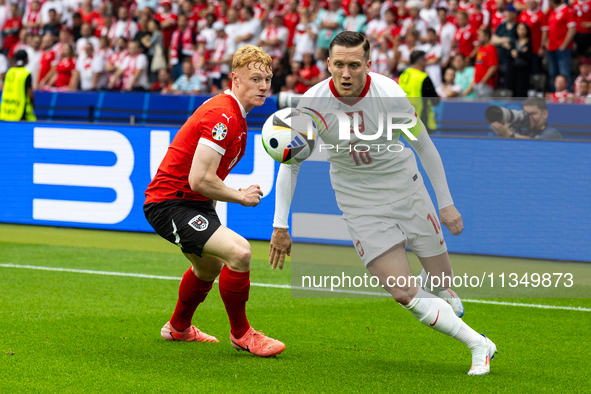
[{"x": 69, "y": 332}]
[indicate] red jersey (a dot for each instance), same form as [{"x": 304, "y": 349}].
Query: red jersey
[
  {"x": 537, "y": 22},
  {"x": 90, "y": 17},
  {"x": 496, "y": 18},
  {"x": 559, "y": 21},
  {"x": 11, "y": 28},
  {"x": 582, "y": 14},
  {"x": 291, "y": 20},
  {"x": 465, "y": 38},
  {"x": 64, "y": 70},
  {"x": 218, "y": 123},
  {"x": 485, "y": 58},
  {"x": 48, "y": 60},
  {"x": 477, "y": 19},
  {"x": 167, "y": 33},
  {"x": 307, "y": 73}
]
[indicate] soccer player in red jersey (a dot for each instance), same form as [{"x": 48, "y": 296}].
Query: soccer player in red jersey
[{"x": 180, "y": 205}]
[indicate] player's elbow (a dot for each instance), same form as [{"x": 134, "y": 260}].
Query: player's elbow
[{"x": 197, "y": 182}]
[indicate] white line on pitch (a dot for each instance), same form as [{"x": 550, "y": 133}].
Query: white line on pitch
[{"x": 134, "y": 275}]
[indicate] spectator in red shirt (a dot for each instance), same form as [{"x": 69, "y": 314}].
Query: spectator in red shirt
[
  {"x": 64, "y": 69},
  {"x": 562, "y": 28},
  {"x": 308, "y": 74},
  {"x": 48, "y": 60},
  {"x": 164, "y": 83},
  {"x": 485, "y": 65},
  {"x": 168, "y": 21},
  {"x": 88, "y": 14},
  {"x": 465, "y": 36},
  {"x": 189, "y": 12},
  {"x": 291, "y": 20},
  {"x": 477, "y": 16},
  {"x": 582, "y": 10},
  {"x": 537, "y": 22},
  {"x": 32, "y": 19},
  {"x": 11, "y": 28},
  {"x": 498, "y": 15}
]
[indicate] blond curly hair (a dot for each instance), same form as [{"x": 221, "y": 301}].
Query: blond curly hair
[{"x": 251, "y": 54}]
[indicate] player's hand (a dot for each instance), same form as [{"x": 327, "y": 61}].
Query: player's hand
[
  {"x": 502, "y": 130},
  {"x": 279, "y": 247},
  {"x": 251, "y": 197},
  {"x": 451, "y": 218}
]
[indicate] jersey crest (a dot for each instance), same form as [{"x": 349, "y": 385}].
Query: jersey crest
[
  {"x": 199, "y": 223},
  {"x": 352, "y": 122},
  {"x": 219, "y": 131}
]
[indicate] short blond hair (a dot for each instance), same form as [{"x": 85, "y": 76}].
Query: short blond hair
[{"x": 251, "y": 54}]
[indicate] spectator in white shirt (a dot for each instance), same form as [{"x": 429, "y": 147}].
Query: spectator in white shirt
[
  {"x": 429, "y": 13},
  {"x": 375, "y": 26},
  {"x": 273, "y": 38},
  {"x": 233, "y": 26},
  {"x": 433, "y": 55},
  {"x": 446, "y": 32},
  {"x": 89, "y": 68},
  {"x": 414, "y": 21},
  {"x": 125, "y": 27},
  {"x": 133, "y": 69},
  {"x": 87, "y": 37},
  {"x": 250, "y": 29},
  {"x": 34, "y": 53}
]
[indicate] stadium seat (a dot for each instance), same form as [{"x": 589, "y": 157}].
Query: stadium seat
[
  {"x": 538, "y": 82},
  {"x": 502, "y": 93}
]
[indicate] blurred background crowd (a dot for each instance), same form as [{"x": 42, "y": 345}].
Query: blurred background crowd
[{"x": 513, "y": 47}]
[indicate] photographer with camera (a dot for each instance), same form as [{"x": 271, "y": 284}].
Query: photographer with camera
[{"x": 529, "y": 123}]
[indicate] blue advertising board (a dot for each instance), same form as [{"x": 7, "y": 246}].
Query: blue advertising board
[{"x": 517, "y": 198}]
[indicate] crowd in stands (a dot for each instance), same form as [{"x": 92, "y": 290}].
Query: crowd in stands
[{"x": 473, "y": 47}]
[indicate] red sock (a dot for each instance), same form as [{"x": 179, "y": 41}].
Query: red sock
[
  {"x": 234, "y": 287},
  {"x": 192, "y": 292}
]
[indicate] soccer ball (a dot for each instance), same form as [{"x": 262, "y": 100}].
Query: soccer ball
[{"x": 285, "y": 135}]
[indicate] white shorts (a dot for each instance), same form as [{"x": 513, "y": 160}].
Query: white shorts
[{"x": 413, "y": 220}]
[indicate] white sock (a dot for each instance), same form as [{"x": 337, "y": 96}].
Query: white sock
[
  {"x": 468, "y": 336},
  {"x": 433, "y": 312},
  {"x": 430, "y": 309}
]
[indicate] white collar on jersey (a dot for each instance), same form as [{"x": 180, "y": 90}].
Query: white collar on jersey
[{"x": 229, "y": 92}]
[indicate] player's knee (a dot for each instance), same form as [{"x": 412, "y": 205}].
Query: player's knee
[{"x": 241, "y": 254}]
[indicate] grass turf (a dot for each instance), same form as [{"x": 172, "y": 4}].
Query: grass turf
[{"x": 79, "y": 333}]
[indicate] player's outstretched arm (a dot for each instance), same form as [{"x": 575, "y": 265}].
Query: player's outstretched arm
[
  {"x": 431, "y": 161},
  {"x": 280, "y": 244},
  {"x": 203, "y": 179}
]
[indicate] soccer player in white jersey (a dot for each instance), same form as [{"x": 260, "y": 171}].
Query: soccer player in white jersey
[{"x": 381, "y": 193}]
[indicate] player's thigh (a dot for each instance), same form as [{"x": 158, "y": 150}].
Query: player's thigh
[
  {"x": 418, "y": 219},
  {"x": 372, "y": 231},
  {"x": 394, "y": 273},
  {"x": 229, "y": 247},
  {"x": 206, "y": 268},
  {"x": 187, "y": 224}
]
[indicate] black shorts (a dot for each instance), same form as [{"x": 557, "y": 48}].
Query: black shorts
[{"x": 187, "y": 224}]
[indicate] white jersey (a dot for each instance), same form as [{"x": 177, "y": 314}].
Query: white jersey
[{"x": 387, "y": 172}]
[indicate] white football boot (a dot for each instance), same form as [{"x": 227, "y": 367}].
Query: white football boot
[{"x": 481, "y": 357}]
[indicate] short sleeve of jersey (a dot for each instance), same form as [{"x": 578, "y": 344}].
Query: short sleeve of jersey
[{"x": 218, "y": 129}]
